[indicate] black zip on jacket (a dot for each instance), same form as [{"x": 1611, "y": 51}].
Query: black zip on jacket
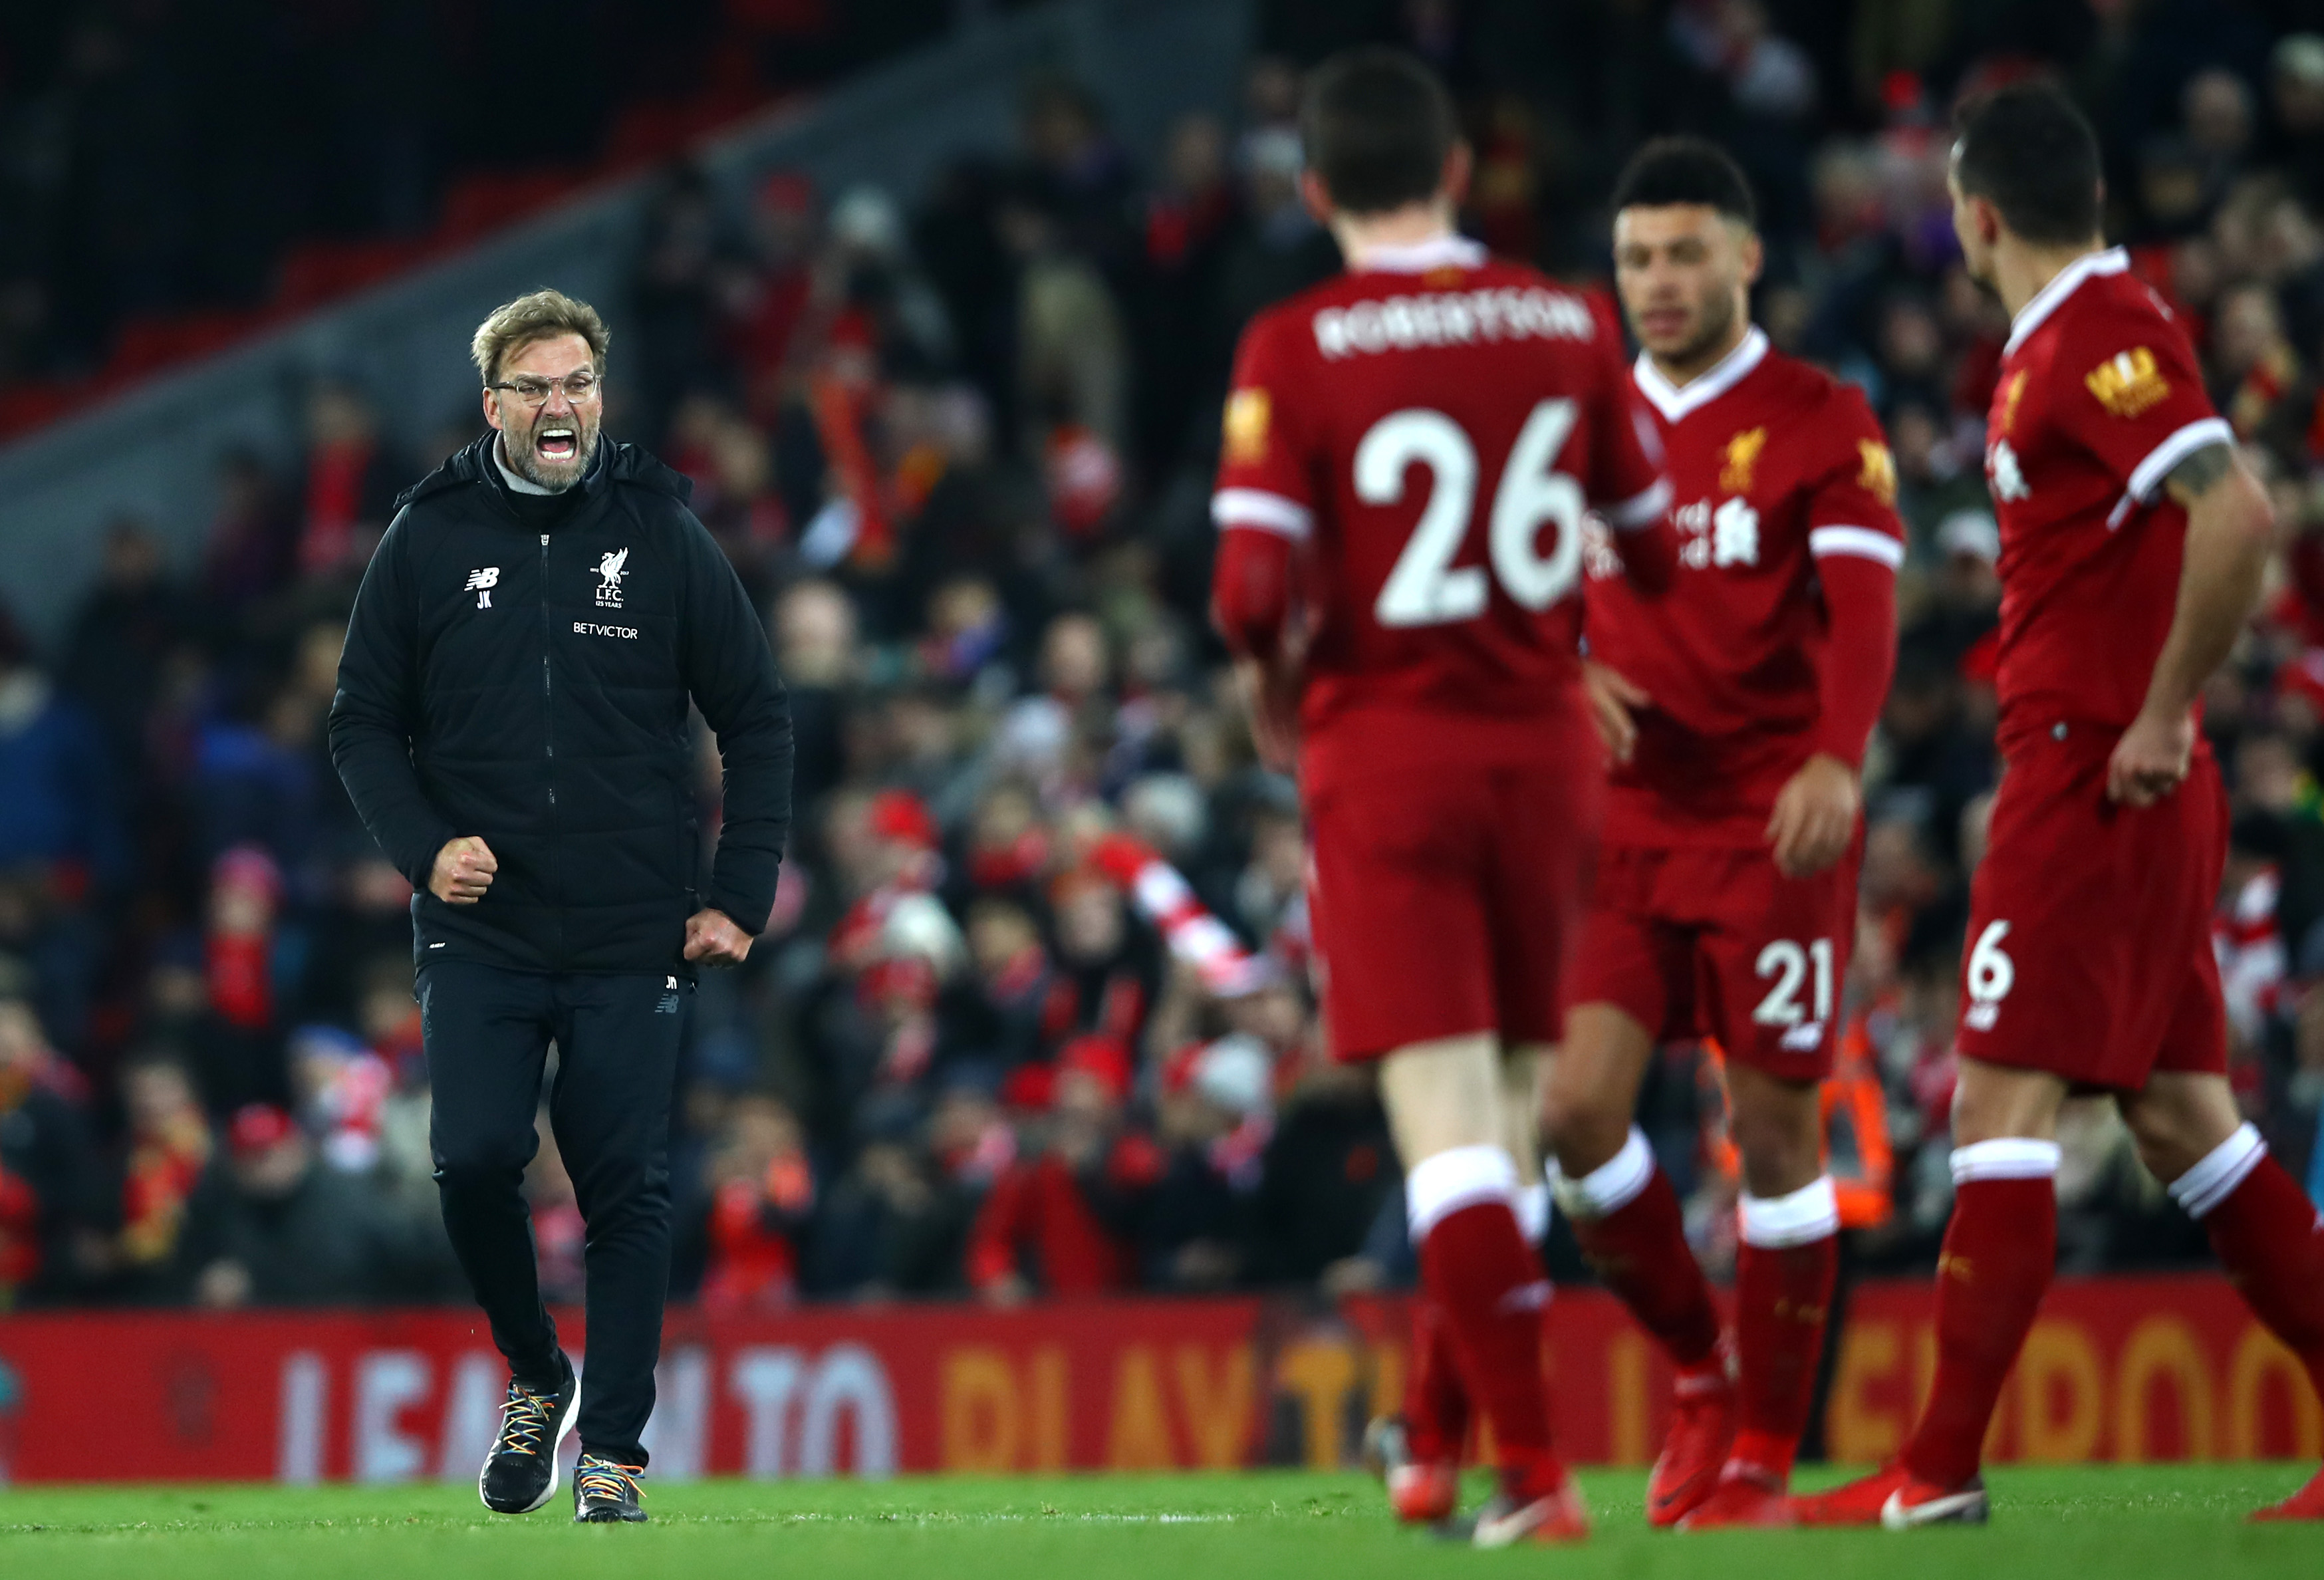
[{"x": 532, "y": 687}]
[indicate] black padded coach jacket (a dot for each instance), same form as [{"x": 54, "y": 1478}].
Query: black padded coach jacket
[{"x": 532, "y": 686}]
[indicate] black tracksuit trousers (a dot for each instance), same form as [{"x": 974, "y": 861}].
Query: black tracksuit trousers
[{"x": 487, "y": 1030}]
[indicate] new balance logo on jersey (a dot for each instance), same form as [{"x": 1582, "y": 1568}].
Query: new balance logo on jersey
[
  {"x": 481, "y": 582},
  {"x": 609, "y": 567},
  {"x": 1804, "y": 1038},
  {"x": 2007, "y": 478}
]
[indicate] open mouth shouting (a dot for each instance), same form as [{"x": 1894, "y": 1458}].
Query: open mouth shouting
[
  {"x": 557, "y": 440},
  {"x": 556, "y": 451}
]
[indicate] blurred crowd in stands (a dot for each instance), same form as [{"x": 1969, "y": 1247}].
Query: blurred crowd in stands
[
  {"x": 1033, "y": 1014},
  {"x": 169, "y": 169}
]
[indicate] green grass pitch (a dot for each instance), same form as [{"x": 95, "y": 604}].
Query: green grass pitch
[{"x": 2060, "y": 1523}]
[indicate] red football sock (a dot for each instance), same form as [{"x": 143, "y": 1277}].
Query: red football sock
[
  {"x": 2000, "y": 1254},
  {"x": 1435, "y": 1404},
  {"x": 1784, "y": 1274},
  {"x": 1628, "y": 1223},
  {"x": 1488, "y": 1284},
  {"x": 2269, "y": 1237}
]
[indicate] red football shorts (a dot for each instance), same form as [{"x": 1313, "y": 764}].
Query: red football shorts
[
  {"x": 1693, "y": 941},
  {"x": 1446, "y": 894},
  {"x": 2088, "y": 951}
]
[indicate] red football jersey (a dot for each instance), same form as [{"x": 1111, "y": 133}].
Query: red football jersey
[
  {"x": 1431, "y": 431},
  {"x": 2100, "y": 397},
  {"x": 1773, "y": 465}
]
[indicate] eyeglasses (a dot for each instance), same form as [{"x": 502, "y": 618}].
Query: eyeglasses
[{"x": 534, "y": 392}]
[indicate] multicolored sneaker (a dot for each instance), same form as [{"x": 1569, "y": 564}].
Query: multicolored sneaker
[
  {"x": 1556, "y": 1516},
  {"x": 520, "y": 1473},
  {"x": 1702, "y": 1430},
  {"x": 605, "y": 1493},
  {"x": 2307, "y": 1504},
  {"x": 1747, "y": 1495},
  {"x": 1421, "y": 1492},
  {"x": 1895, "y": 1498}
]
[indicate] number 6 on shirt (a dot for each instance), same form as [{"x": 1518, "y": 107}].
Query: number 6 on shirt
[{"x": 1423, "y": 589}]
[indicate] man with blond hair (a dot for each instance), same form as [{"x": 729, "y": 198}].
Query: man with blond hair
[{"x": 512, "y": 724}]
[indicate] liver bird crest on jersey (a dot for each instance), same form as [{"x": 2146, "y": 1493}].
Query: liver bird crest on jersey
[
  {"x": 1742, "y": 456},
  {"x": 2009, "y": 402}
]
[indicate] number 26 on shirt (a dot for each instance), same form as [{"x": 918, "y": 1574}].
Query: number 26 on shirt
[{"x": 1424, "y": 588}]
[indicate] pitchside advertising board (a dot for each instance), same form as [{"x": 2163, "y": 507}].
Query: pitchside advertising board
[{"x": 2131, "y": 1369}]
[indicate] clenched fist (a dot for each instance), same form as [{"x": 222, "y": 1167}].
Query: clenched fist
[
  {"x": 712, "y": 939},
  {"x": 464, "y": 871}
]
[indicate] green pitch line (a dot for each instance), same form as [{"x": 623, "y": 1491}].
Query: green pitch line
[{"x": 2066, "y": 1523}]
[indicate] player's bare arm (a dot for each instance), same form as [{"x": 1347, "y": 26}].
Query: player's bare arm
[
  {"x": 2230, "y": 531},
  {"x": 2195, "y": 476},
  {"x": 1818, "y": 810}
]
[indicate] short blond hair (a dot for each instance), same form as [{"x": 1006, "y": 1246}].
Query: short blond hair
[{"x": 540, "y": 316}]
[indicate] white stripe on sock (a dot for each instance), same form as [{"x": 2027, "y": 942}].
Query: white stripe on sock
[
  {"x": 1611, "y": 1186},
  {"x": 2011, "y": 1158},
  {"x": 1463, "y": 1177},
  {"x": 2215, "y": 1177},
  {"x": 1806, "y": 1216},
  {"x": 1532, "y": 1209}
]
